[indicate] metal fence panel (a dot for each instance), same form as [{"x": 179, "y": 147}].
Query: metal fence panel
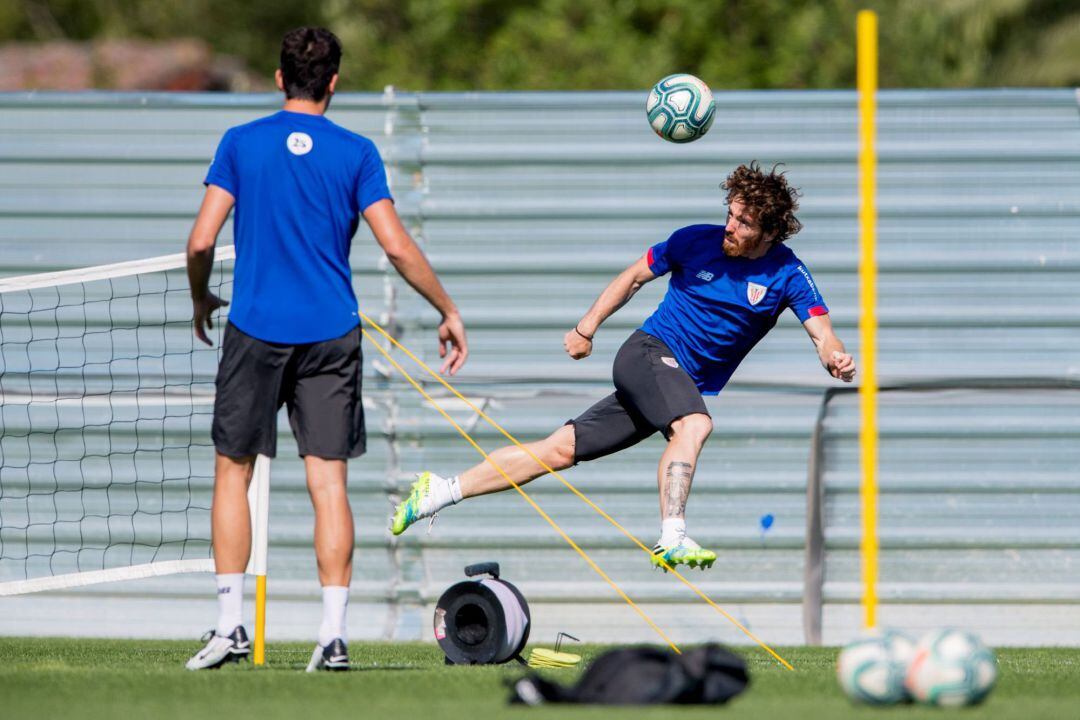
[{"x": 528, "y": 203}]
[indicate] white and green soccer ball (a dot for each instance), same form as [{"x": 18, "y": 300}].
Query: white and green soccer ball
[
  {"x": 872, "y": 669},
  {"x": 951, "y": 668},
  {"x": 680, "y": 108}
]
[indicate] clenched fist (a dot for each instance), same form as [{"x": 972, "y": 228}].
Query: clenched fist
[
  {"x": 842, "y": 366},
  {"x": 577, "y": 345}
]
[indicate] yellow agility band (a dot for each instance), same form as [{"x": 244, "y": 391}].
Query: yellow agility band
[
  {"x": 523, "y": 494},
  {"x": 698, "y": 591}
]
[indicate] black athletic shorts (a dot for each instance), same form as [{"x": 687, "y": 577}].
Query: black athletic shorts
[
  {"x": 319, "y": 382},
  {"x": 651, "y": 392}
]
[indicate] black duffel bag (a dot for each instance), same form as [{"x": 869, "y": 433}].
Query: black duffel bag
[{"x": 708, "y": 675}]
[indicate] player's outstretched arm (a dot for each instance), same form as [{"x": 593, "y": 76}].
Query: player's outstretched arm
[
  {"x": 216, "y": 206},
  {"x": 409, "y": 260},
  {"x": 578, "y": 342},
  {"x": 834, "y": 358}
]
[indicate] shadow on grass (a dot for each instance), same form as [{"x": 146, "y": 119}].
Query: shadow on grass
[{"x": 290, "y": 667}]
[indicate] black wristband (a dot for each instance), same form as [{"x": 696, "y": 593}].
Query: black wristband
[{"x": 582, "y": 334}]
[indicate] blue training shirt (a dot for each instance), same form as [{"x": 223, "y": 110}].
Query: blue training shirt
[
  {"x": 300, "y": 184},
  {"x": 717, "y": 308}
]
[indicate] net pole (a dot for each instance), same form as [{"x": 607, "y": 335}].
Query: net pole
[
  {"x": 867, "y": 80},
  {"x": 259, "y": 506}
]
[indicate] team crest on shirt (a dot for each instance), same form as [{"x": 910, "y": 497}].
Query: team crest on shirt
[
  {"x": 299, "y": 143},
  {"x": 755, "y": 292}
]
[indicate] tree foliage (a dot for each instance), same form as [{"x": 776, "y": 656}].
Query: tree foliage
[{"x": 605, "y": 44}]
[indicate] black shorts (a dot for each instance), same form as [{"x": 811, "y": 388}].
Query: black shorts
[
  {"x": 651, "y": 392},
  {"x": 319, "y": 382}
]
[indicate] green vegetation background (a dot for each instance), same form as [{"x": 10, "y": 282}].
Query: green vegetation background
[
  {"x": 605, "y": 44},
  {"x": 109, "y": 679}
]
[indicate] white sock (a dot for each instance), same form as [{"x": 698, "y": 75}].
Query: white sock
[
  {"x": 335, "y": 601},
  {"x": 672, "y": 531},
  {"x": 230, "y": 595},
  {"x": 444, "y": 492}
]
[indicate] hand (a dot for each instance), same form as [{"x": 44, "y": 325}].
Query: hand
[
  {"x": 204, "y": 308},
  {"x": 842, "y": 366},
  {"x": 452, "y": 343},
  {"x": 577, "y": 345}
]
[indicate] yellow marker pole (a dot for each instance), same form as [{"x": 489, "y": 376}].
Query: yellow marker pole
[
  {"x": 260, "y": 620},
  {"x": 259, "y": 507},
  {"x": 867, "y": 71}
]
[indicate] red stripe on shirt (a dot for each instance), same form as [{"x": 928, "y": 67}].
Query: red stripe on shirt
[
  {"x": 818, "y": 310},
  {"x": 648, "y": 258}
]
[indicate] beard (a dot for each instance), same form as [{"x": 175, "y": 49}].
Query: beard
[{"x": 732, "y": 247}]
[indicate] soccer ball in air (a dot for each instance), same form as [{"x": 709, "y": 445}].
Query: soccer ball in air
[
  {"x": 680, "y": 108},
  {"x": 950, "y": 668},
  {"x": 871, "y": 669}
]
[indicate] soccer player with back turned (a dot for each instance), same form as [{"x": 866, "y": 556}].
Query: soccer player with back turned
[
  {"x": 299, "y": 184},
  {"x": 729, "y": 284}
]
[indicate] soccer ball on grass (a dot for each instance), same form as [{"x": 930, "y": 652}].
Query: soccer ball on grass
[
  {"x": 872, "y": 669},
  {"x": 951, "y": 668}
]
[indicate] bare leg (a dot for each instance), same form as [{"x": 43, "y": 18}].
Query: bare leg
[
  {"x": 677, "y": 464},
  {"x": 334, "y": 538},
  {"x": 556, "y": 450},
  {"x": 230, "y": 519}
]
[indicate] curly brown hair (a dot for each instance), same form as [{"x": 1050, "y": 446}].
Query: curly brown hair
[{"x": 768, "y": 196}]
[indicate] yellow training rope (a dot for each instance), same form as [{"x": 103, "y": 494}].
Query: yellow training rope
[
  {"x": 517, "y": 487},
  {"x": 700, "y": 593}
]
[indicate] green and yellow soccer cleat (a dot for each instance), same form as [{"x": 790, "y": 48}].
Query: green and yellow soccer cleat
[
  {"x": 413, "y": 508},
  {"x": 687, "y": 552}
]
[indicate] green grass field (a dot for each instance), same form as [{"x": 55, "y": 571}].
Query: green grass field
[{"x": 61, "y": 678}]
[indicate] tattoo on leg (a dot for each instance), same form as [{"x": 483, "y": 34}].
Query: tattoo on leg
[{"x": 679, "y": 477}]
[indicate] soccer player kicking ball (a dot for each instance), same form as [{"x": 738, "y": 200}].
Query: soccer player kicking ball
[
  {"x": 728, "y": 286},
  {"x": 299, "y": 184}
]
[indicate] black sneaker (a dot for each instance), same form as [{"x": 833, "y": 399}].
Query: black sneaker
[
  {"x": 334, "y": 656},
  {"x": 221, "y": 649}
]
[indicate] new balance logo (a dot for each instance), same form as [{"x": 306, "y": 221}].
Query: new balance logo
[
  {"x": 705, "y": 275},
  {"x": 224, "y": 590}
]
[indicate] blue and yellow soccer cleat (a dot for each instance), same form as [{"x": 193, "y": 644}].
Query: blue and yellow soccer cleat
[
  {"x": 415, "y": 507},
  {"x": 687, "y": 552}
]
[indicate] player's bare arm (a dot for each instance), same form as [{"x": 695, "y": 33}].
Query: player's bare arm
[
  {"x": 215, "y": 209},
  {"x": 409, "y": 260},
  {"x": 834, "y": 358},
  {"x": 578, "y": 342}
]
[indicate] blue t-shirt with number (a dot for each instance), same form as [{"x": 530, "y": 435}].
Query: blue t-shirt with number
[
  {"x": 717, "y": 308},
  {"x": 300, "y": 184}
]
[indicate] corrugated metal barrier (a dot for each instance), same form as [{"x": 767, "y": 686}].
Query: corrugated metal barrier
[{"x": 527, "y": 204}]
